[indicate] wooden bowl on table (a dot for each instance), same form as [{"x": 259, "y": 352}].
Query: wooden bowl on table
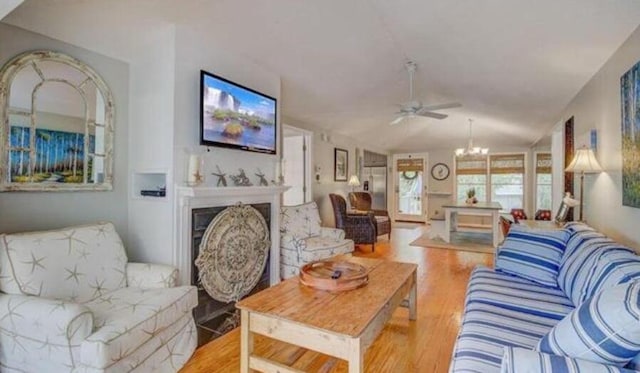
[{"x": 331, "y": 275}]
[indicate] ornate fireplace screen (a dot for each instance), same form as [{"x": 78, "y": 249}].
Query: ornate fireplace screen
[
  {"x": 56, "y": 125},
  {"x": 233, "y": 253}
]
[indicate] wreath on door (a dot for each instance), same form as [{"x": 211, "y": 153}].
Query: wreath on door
[{"x": 409, "y": 175}]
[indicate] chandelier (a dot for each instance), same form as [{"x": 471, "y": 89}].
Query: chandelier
[{"x": 470, "y": 150}]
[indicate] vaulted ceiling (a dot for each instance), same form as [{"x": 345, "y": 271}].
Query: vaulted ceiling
[{"x": 513, "y": 64}]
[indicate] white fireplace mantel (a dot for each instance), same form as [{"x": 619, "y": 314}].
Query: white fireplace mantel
[{"x": 189, "y": 198}]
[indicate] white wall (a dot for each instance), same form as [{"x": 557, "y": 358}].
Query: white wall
[
  {"x": 322, "y": 155},
  {"x": 152, "y": 82},
  {"x": 35, "y": 211},
  {"x": 165, "y": 86},
  {"x": 597, "y": 106},
  {"x": 194, "y": 52}
]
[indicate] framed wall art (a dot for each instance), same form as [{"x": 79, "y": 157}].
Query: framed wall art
[
  {"x": 630, "y": 100},
  {"x": 340, "y": 165}
]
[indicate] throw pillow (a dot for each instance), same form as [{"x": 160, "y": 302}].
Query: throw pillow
[
  {"x": 604, "y": 329},
  {"x": 576, "y": 272},
  {"x": 614, "y": 267},
  {"x": 532, "y": 254},
  {"x": 576, "y": 226}
]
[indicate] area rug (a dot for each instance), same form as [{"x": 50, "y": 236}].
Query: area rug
[{"x": 478, "y": 242}]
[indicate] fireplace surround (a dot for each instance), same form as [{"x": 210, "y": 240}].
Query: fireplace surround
[
  {"x": 195, "y": 208},
  {"x": 215, "y": 317}
]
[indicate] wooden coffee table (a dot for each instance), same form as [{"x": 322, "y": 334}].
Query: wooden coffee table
[{"x": 342, "y": 324}]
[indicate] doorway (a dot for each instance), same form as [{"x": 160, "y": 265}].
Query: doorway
[
  {"x": 410, "y": 186},
  {"x": 296, "y": 165}
]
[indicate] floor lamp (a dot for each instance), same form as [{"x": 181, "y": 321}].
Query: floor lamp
[{"x": 584, "y": 162}]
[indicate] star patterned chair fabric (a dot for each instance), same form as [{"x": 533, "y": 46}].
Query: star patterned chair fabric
[
  {"x": 304, "y": 240},
  {"x": 71, "y": 302}
]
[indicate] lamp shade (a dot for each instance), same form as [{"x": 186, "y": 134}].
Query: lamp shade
[
  {"x": 584, "y": 161},
  {"x": 354, "y": 181}
]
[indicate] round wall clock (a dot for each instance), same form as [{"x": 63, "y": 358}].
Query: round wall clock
[{"x": 440, "y": 171}]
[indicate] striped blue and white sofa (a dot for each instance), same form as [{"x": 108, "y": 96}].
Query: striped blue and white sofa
[{"x": 557, "y": 301}]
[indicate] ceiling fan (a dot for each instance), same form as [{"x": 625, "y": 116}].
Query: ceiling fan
[{"x": 414, "y": 108}]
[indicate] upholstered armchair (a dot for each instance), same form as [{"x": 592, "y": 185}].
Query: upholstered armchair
[
  {"x": 361, "y": 201},
  {"x": 304, "y": 240},
  {"x": 360, "y": 226},
  {"x": 71, "y": 302}
]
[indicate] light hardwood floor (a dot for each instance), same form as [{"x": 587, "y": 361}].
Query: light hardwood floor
[{"x": 403, "y": 346}]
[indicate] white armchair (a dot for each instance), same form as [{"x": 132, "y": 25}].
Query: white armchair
[
  {"x": 70, "y": 302},
  {"x": 303, "y": 240}
]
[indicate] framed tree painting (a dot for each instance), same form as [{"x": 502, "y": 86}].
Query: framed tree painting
[
  {"x": 630, "y": 100},
  {"x": 340, "y": 164}
]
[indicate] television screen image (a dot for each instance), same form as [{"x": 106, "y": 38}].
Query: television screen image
[{"x": 235, "y": 116}]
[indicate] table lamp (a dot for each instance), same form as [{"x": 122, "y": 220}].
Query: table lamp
[
  {"x": 354, "y": 182},
  {"x": 584, "y": 162}
]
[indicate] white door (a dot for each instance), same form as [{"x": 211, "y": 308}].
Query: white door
[
  {"x": 295, "y": 166},
  {"x": 410, "y": 187}
]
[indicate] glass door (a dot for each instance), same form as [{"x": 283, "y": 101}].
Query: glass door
[{"x": 410, "y": 187}]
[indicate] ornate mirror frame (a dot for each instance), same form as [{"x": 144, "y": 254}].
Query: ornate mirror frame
[{"x": 32, "y": 60}]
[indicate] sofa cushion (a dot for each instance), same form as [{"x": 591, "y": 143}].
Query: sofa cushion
[
  {"x": 127, "y": 318},
  {"x": 511, "y": 292},
  {"x": 604, "y": 329},
  {"x": 532, "y": 254},
  {"x": 74, "y": 264},
  {"x": 503, "y": 310},
  {"x": 577, "y": 271},
  {"x": 520, "y": 360},
  {"x": 300, "y": 221}
]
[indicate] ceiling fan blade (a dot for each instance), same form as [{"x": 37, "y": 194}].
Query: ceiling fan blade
[
  {"x": 397, "y": 120},
  {"x": 431, "y": 114},
  {"x": 449, "y": 105}
]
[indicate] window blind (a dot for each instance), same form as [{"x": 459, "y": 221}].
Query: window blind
[
  {"x": 471, "y": 165},
  {"x": 543, "y": 163},
  {"x": 410, "y": 164},
  {"x": 507, "y": 164}
]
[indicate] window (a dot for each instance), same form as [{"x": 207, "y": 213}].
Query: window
[
  {"x": 471, "y": 172},
  {"x": 496, "y": 178},
  {"x": 507, "y": 180},
  {"x": 543, "y": 181}
]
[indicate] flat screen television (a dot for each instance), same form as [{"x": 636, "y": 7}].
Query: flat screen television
[{"x": 233, "y": 116}]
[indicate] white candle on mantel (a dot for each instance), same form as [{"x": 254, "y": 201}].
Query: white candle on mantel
[{"x": 193, "y": 171}]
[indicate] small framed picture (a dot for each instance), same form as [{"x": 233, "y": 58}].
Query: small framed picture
[
  {"x": 563, "y": 210},
  {"x": 340, "y": 165}
]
